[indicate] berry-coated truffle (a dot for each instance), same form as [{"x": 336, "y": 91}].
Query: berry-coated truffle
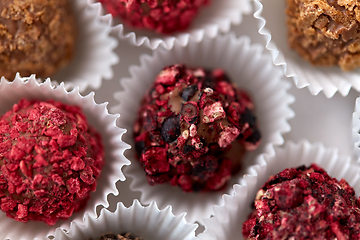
[
  {"x": 193, "y": 128},
  {"x": 325, "y": 32},
  {"x": 304, "y": 203},
  {"x": 50, "y": 159},
  {"x": 162, "y": 16},
  {"x": 36, "y": 37},
  {"x": 111, "y": 236}
]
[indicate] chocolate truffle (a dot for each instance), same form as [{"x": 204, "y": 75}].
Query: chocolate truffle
[
  {"x": 193, "y": 127},
  {"x": 36, "y": 37},
  {"x": 325, "y": 32},
  {"x": 162, "y": 16},
  {"x": 50, "y": 159},
  {"x": 304, "y": 203},
  {"x": 111, "y": 236}
]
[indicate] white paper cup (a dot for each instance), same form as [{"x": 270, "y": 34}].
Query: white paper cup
[
  {"x": 356, "y": 129},
  {"x": 147, "y": 222},
  {"x": 94, "y": 51},
  {"x": 272, "y": 26},
  {"x": 99, "y": 118},
  {"x": 248, "y": 68},
  {"x": 228, "y": 219},
  {"x": 215, "y": 18}
]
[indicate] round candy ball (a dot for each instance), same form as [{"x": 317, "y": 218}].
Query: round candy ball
[
  {"x": 37, "y": 37},
  {"x": 304, "y": 203},
  {"x": 193, "y": 127},
  {"x": 162, "y": 16},
  {"x": 50, "y": 159}
]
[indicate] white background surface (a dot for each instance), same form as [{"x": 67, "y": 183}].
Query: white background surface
[{"x": 317, "y": 118}]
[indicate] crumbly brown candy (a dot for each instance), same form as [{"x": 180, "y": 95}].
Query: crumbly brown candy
[
  {"x": 325, "y": 32},
  {"x": 36, "y": 37},
  {"x": 304, "y": 203},
  {"x": 111, "y": 236}
]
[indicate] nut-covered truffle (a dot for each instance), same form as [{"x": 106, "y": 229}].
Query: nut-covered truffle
[
  {"x": 111, "y": 236},
  {"x": 162, "y": 16},
  {"x": 325, "y": 32},
  {"x": 304, "y": 203},
  {"x": 50, "y": 159},
  {"x": 36, "y": 37},
  {"x": 193, "y": 128}
]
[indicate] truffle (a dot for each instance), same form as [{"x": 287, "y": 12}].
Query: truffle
[
  {"x": 36, "y": 37},
  {"x": 50, "y": 159},
  {"x": 193, "y": 127},
  {"x": 111, "y": 236},
  {"x": 162, "y": 16},
  {"x": 304, "y": 203},
  {"x": 325, "y": 32}
]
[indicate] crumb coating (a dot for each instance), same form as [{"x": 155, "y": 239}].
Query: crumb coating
[
  {"x": 304, "y": 203},
  {"x": 50, "y": 159},
  {"x": 193, "y": 128}
]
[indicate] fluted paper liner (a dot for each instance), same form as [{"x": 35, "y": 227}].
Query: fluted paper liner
[
  {"x": 214, "y": 18},
  {"x": 272, "y": 26},
  {"x": 147, "y": 222},
  {"x": 356, "y": 129},
  {"x": 228, "y": 218},
  {"x": 99, "y": 118},
  {"x": 248, "y": 68},
  {"x": 94, "y": 51}
]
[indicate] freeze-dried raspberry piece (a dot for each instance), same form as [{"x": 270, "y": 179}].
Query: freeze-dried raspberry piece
[
  {"x": 304, "y": 203},
  {"x": 193, "y": 128},
  {"x": 162, "y": 16},
  {"x": 50, "y": 158}
]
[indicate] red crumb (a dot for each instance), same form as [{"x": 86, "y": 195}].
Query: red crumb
[
  {"x": 50, "y": 158},
  {"x": 162, "y": 16},
  {"x": 304, "y": 203},
  {"x": 193, "y": 128}
]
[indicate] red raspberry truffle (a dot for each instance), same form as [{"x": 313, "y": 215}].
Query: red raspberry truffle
[
  {"x": 193, "y": 128},
  {"x": 304, "y": 203},
  {"x": 50, "y": 159},
  {"x": 162, "y": 16}
]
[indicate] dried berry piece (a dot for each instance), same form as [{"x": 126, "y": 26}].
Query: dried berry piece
[
  {"x": 50, "y": 159},
  {"x": 201, "y": 126},
  {"x": 304, "y": 203},
  {"x": 189, "y": 92},
  {"x": 189, "y": 112},
  {"x": 170, "y": 129},
  {"x": 163, "y": 16}
]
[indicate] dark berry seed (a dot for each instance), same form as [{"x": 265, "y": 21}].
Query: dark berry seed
[
  {"x": 254, "y": 137},
  {"x": 189, "y": 112},
  {"x": 150, "y": 121},
  {"x": 248, "y": 117},
  {"x": 188, "y": 148},
  {"x": 139, "y": 147},
  {"x": 189, "y": 92},
  {"x": 170, "y": 129},
  {"x": 205, "y": 167},
  {"x": 209, "y": 81}
]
